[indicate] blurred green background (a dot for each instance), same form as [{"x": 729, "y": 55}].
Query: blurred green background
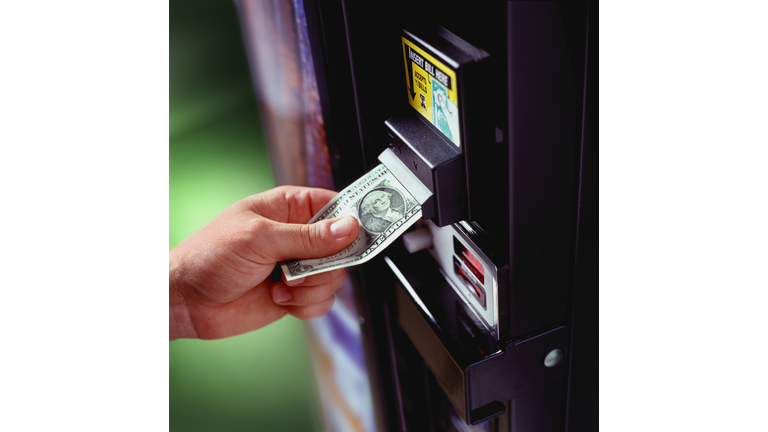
[{"x": 261, "y": 381}]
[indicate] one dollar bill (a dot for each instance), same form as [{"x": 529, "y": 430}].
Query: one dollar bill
[{"x": 384, "y": 209}]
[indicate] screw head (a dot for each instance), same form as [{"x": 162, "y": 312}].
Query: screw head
[{"x": 553, "y": 358}]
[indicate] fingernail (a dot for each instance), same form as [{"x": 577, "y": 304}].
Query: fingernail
[
  {"x": 342, "y": 227},
  {"x": 281, "y": 295},
  {"x": 295, "y": 281}
]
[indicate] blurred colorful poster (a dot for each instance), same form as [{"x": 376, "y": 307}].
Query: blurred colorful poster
[{"x": 339, "y": 361}]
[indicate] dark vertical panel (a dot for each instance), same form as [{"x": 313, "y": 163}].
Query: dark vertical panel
[
  {"x": 325, "y": 25},
  {"x": 584, "y": 368},
  {"x": 543, "y": 139},
  {"x": 373, "y": 34}
]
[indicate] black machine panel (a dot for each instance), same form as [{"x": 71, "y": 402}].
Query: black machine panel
[{"x": 470, "y": 323}]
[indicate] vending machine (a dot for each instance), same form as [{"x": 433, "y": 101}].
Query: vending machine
[{"x": 483, "y": 316}]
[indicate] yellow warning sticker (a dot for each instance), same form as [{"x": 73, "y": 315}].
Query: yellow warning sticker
[{"x": 432, "y": 90}]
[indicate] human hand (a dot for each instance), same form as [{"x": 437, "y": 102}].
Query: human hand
[{"x": 219, "y": 277}]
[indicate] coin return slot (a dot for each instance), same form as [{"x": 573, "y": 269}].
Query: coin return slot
[{"x": 470, "y": 280}]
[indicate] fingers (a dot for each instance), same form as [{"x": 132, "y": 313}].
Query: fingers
[
  {"x": 317, "y": 279},
  {"x": 251, "y": 311},
  {"x": 283, "y": 241},
  {"x": 279, "y": 226},
  {"x": 289, "y": 204},
  {"x": 312, "y": 298},
  {"x": 314, "y": 290},
  {"x": 309, "y": 312}
]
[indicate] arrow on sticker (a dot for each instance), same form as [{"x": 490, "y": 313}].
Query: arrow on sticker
[{"x": 411, "y": 79}]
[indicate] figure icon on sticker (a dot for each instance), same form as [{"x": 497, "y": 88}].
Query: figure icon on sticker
[{"x": 444, "y": 113}]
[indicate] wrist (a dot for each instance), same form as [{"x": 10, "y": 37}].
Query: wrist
[{"x": 180, "y": 320}]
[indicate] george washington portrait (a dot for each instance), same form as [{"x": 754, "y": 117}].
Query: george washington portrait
[{"x": 380, "y": 208}]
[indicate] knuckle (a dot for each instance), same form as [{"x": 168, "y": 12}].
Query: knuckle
[
  {"x": 291, "y": 194},
  {"x": 336, "y": 280},
  {"x": 257, "y": 225},
  {"x": 319, "y": 279},
  {"x": 308, "y": 237},
  {"x": 341, "y": 277},
  {"x": 315, "y": 295},
  {"x": 312, "y": 296},
  {"x": 318, "y": 310},
  {"x": 328, "y": 305},
  {"x": 284, "y": 190}
]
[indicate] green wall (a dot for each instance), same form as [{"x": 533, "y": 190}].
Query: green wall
[{"x": 261, "y": 381}]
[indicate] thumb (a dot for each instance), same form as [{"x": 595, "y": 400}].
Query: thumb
[{"x": 300, "y": 241}]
